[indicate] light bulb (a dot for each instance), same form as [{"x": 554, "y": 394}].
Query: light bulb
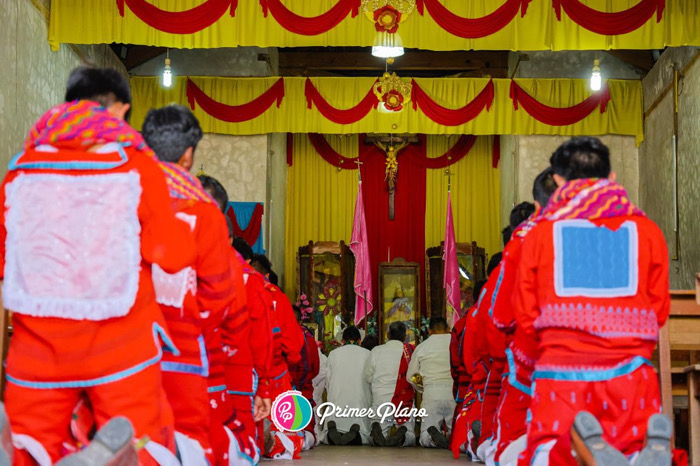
[
  {"x": 387, "y": 52},
  {"x": 596, "y": 79},
  {"x": 167, "y": 74}
]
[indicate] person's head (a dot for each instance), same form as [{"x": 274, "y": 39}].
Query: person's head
[
  {"x": 351, "y": 335},
  {"x": 243, "y": 248},
  {"x": 493, "y": 262},
  {"x": 297, "y": 313},
  {"x": 506, "y": 233},
  {"x": 520, "y": 213},
  {"x": 437, "y": 326},
  {"x": 581, "y": 157},
  {"x": 370, "y": 341},
  {"x": 477, "y": 290},
  {"x": 262, "y": 264},
  {"x": 229, "y": 226},
  {"x": 173, "y": 133},
  {"x": 215, "y": 190},
  {"x": 543, "y": 187},
  {"x": 102, "y": 85},
  {"x": 274, "y": 279},
  {"x": 397, "y": 331}
]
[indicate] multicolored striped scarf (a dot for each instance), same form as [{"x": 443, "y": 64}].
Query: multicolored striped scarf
[
  {"x": 182, "y": 185},
  {"x": 524, "y": 228},
  {"x": 80, "y": 125},
  {"x": 590, "y": 198}
]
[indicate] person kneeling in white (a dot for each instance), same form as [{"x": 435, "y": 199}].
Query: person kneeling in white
[
  {"x": 431, "y": 360},
  {"x": 348, "y": 391},
  {"x": 386, "y": 371}
]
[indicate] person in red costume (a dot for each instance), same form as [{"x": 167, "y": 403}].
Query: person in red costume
[
  {"x": 86, "y": 216},
  {"x": 288, "y": 342},
  {"x": 514, "y": 402},
  {"x": 593, "y": 288},
  {"x": 195, "y": 299},
  {"x": 304, "y": 372}
]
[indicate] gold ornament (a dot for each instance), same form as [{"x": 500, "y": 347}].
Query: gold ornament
[
  {"x": 405, "y": 7},
  {"x": 393, "y": 92}
]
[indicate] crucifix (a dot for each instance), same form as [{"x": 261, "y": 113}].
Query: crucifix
[
  {"x": 392, "y": 145},
  {"x": 449, "y": 176}
]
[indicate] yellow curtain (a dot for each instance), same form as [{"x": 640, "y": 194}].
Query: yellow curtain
[
  {"x": 98, "y": 22},
  {"x": 320, "y": 200},
  {"x": 476, "y": 196},
  {"x": 623, "y": 116}
]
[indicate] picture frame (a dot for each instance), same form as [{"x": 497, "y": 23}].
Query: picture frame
[
  {"x": 399, "y": 298},
  {"x": 313, "y": 328}
]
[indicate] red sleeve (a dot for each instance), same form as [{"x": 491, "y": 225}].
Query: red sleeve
[
  {"x": 259, "y": 308},
  {"x": 292, "y": 339},
  {"x": 526, "y": 282},
  {"x": 502, "y": 309},
  {"x": 314, "y": 359},
  {"x": 165, "y": 240},
  {"x": 215, "y": 290},
  {"x": 236, "y": 327},
  {"x": 456, "y": 339},
  {"x": 659, "y": 286}
]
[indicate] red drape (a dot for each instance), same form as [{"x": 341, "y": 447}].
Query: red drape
[
  {"x": 235, "y": 113},
  {"x": 472, "y": 28},
  {"x": 314, "y": 25},
  {"x": 610, "y": 24},
  {"x": 342, "y": 117},
  {"x": 252, "y": 231},
  {"x": 329, "y": 154},
  {"x": 179, "y": 22},
  {"x": 554, "y": 116},
  {"x": 496, "y": 157},
  {"x": 405, "y": 235},
  {"x": 447, "y": 116}
]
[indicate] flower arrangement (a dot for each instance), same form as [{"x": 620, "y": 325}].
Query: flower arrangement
[{"x": 306, "y": 308}]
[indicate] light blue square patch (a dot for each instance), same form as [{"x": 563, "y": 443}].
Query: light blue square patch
[{"x": 594, "y": 261}]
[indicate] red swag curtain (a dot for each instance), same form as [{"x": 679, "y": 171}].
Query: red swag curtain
[
  {"x": 252, "y": 232},
  {"x": 472, "y": 28},
  {"x": 451, "y": 117},
  {"x": 342, "y": 117},
  {"x": 310, "y": 26},
  {"x": 235, "y": 113},
  {"x": 610, "y": 24},
  {"x": 179, "y": 22},
  {"x": 554, "y": 116}
]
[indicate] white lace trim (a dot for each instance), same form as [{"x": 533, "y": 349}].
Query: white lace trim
[
  {"x": 33, "y": 447},
  {"x": 73, "y": 245},
  {"x": 171, "y": 288}
]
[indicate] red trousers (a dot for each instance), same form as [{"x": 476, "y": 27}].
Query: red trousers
[
  {"x": 492, "y": 393},
  {"x": 220, "y": 412},
  {"x": 622, "y": 404},
  {"x": 243, "y": 424},
  {"x": 187, "y": 394},
  {"x": 45, "y": 414},
  {"x": 511, "y": 418}
]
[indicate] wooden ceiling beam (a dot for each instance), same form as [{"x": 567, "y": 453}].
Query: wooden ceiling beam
[
  {"x": 640, "y": 59},
  {"x": 140, "y": 54}
]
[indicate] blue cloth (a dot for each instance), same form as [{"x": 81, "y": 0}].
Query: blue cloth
[{"x": 244, "y": 211}]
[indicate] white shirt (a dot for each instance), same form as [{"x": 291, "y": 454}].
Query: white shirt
[
  {"x": 319, "y": 382},
  {"x": 431, "y": 360},
  {"x": 382, "y": 370}
]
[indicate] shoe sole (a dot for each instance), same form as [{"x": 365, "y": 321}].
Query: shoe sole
[
  {"x": 439, "y": 439},
  {"x": 111, "y": 446},
  {"x": 348, "y": 437},
  {"x": 657, "y": 451},
  {"x": 588, "y": 428},
  {"x": 377, "y": 436},
  {"x": 398, "y": 438}
]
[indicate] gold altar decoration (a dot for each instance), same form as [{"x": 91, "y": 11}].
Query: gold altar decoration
[
  {"x": 392, "y": 91},
  {"x": 388, "y": 14}
]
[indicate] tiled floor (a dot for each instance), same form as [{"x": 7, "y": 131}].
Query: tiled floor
[{"x": 366, "y": 455}]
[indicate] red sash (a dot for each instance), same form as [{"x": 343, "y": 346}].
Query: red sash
[{"x": 403, "y": 394}]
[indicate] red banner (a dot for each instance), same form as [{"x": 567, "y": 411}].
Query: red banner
[
  {"x": 313, "y": 26},
  {"x": 235, "y": 113},
  {"x": 329, "y": 154},
  {"x": 252, "y": 231},
  {"x": 555, "y": 116},
  {"x": 610, "y": 24},
  {"x": 452, "y": 117},
  {"x": 473, "y": 28},
  {"x": 342, "y": 117},
  {"x": 179, "y": 22}
]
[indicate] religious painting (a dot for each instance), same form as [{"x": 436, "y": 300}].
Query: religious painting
[
  {"x": 399, "y": 297},
  {"x": 325, "y": 274},
  {"x": 313, "y": 328}
]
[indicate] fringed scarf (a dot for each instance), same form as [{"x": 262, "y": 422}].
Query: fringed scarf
[
  {"x": 80, "y": 125},
  {"x": 591, "y": 199},
  {"x": 182, "y": 185}
]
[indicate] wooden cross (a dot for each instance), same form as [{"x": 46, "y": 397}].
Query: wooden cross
[
  {"x": 359, "y": 173},
  {"x": 449, "y": 176}
]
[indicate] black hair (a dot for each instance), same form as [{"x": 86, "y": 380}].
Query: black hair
[
  {"x": 170, "y": 131},
  {"x": 263, "y": 262},
  {"x": 520, "y": 213},
  {"x": 493, "y": 262},
  {"x": 216, "y": 189},
  {"x": 351, "y": 333},
  {"x": 243, "y": 248},
  {"x": 102, "y": 85},
  {"x": 476, "y": 292},
  {"x": 397, "y": 331},
  {"x": 506, "y": 233},
  {"x": 229, "y": 226},
  {"x": 437, "y": 323},
  {"x": 274, "y": 279},
  {"x": 544, "y": 186},
  {"x": 581, "y": 157},
  {"x": 370, "y": 341}
]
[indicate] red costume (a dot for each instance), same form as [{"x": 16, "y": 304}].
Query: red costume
[
  {"x": 303, "y": 373},
  {"x": 78, "y": 235},
  {"x": 594, "y": 288}
]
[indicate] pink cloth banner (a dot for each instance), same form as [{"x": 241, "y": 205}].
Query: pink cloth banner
[
  {"x": 450, "y": 277},
  {"x": 363, "y": 272}
]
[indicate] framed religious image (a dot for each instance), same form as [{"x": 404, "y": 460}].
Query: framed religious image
[
  {"x": 399, "y": 298},
  {"x": 313, "y": 328}
]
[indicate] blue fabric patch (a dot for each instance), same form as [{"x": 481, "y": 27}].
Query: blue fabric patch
[
  {"x": 594, "y": 261},
  {"x": 203, "y": 370},
  {"x": 15, "y": 164}
]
